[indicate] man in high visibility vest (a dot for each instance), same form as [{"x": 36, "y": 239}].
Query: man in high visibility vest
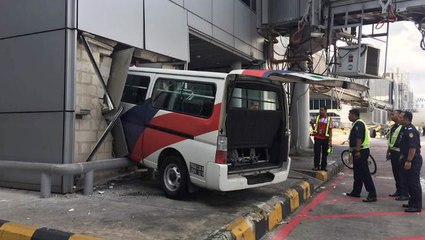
[
  {"x": 393, "y": 154},
  {"x": 322, "y": 132},
  {"x": 359, "y": 147}
]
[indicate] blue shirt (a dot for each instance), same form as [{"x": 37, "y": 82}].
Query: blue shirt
[{"x": 410, "y": 139}]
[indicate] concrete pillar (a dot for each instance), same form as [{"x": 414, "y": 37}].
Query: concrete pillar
[{"x": 300, "y": 117}]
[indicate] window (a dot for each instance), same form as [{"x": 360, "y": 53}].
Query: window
[
  {"x": 254, "y": 99},
  {"x": 252, "y": 4},
  {"x": 135, "y": 89},
  {"x": 192, "y": 98}
]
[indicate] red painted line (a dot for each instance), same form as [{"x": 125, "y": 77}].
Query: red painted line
[
  {"x": 359, "y": 215},
  {"x": 407, "y": 238},
  {"x": 284, "y": 232},
  {"x": 351, "y": 199}
]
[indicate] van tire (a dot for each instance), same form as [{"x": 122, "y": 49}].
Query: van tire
[
  {"x": 174, "y": 177},
  {"x": 373, "y": 133}
]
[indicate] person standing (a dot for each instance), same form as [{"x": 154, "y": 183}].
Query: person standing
[
  {"x": 322, "y": 132},
  {"x": 359, "y": 146},
  {"x": 410, "y": 155},
  {"x": 393, "y": 154}
]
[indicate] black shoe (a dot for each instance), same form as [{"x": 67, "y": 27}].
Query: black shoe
[
  {"x": 413, "y": 210},
  {"x": 324, "y": 169},
  {"x": 352, "y": 195},
  {"x": 396, "y": 194},
  {"x": 315, "y": 169},
  {"x": 405, "y": 205},
  {"x": 368, "y": 199},
  {"x": 402, "y": 198}
]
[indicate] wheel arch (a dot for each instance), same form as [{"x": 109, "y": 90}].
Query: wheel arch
[{"x": 169, "y": 152}]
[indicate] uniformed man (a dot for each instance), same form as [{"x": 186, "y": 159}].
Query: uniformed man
[
  {"x": 410, "y": 155},
  {"x": 322, "y": 132},
  {"x": 393, "y": 154},
  {"x": 359, "y": 146}
]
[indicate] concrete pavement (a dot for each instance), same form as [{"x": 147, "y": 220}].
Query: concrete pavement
[
  {"x": 332, "y": 215},
  {"x": 134, "y": 207}
]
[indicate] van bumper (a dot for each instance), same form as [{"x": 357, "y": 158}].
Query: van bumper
[{"x": 218, "y": 178}]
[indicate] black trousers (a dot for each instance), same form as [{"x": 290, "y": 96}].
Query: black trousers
[
  {"x": 399, "y": 176},
  {"x": 362, "y": 174},
  {"x": 414, "y": 182},
  {"x": 321, "y": 147}
]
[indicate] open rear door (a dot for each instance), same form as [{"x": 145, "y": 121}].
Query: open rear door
[{"x": 301, "y": 77}]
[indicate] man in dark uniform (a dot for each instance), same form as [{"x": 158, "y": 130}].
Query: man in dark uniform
[
  {"x": 410, "y": 155},
  {"x": 393, "y": 154},
  {"x": 359, "y": 146}
]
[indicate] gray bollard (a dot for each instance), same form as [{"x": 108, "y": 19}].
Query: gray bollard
[
  {"x": 46, "y": 185},
  {"x": 88, "y": 183}
]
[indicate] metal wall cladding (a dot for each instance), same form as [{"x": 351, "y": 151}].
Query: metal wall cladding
[
  {"x": 30, "y": 137},
  {"x": 29, "y": 16},
  {"x": 32, "y": 75},
  {"x": 122, "y": 22},
  {"x": 284, "y": 11},
  {"x": 166, "y": 29}
]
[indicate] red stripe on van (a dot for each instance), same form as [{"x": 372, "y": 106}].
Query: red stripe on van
[
  {"x": 152, "y": 140},
  {"x": 254, "y": 73}
]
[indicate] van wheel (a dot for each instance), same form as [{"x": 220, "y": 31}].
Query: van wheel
[
  {"x": 174, "y": 177},
  {"x": 373, "y": 133}
]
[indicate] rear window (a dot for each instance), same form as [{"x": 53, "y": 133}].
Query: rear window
[
  {"x": 253, "y": 99},
  {"x": 187, "y": 97}
]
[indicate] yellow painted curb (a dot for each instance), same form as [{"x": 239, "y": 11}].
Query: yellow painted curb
[
  {"x": 14, "y": 231},
  {"x": 322, "y": 175},
  {"x": 275, "y": 216},
  {"x": 293, "y": 199},
  {"x": 307, "y": 190},
  {"x": 241, "y": 229}
]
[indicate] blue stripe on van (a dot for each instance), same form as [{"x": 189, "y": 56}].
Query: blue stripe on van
[{"x": 134, "y": 121}]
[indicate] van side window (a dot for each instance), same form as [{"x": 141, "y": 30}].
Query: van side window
[
  {"x": 192, "y": 98},
  {"x": 254, "y": 99},
  {"x": 135, "y": 89}
]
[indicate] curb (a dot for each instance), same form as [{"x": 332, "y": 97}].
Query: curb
[
  {"x": 265, "y": 216},
  {"x": 11, "y": 230}
]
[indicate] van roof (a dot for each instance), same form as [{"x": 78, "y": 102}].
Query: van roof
[{"x": 179, "y": 72}]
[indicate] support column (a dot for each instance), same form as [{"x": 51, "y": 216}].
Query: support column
[{"x": 300, "y": 117}]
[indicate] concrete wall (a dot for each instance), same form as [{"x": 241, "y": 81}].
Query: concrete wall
[{"x": 90, "y": 124}]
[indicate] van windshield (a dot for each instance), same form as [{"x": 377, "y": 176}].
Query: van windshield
[{"x": 254, "y": 99}]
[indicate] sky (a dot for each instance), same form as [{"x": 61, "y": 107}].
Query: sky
[{"x": 405, "y": 53}]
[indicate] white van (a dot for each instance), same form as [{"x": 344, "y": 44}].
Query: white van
[{"x": 214, "y": 130}]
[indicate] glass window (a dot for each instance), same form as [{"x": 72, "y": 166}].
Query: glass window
[
  {"x": 334, "y": 105},
  {"x": 254, "y": 99},
  {"x": 135, "y": 89},
  {"x": 192, "y": 98}
]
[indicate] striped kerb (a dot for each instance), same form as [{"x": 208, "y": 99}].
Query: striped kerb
[
  {"x": 275, "y": 216},
  {"x": 14, "y": 231},
  {"x": 241, "y": 229},
  {"x": 293, "y": 199}
]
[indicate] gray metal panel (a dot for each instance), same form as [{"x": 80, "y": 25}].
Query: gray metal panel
[
  {"x": 288, "y": 10},
  {"x": 68, "y": 148},
  {"x": 29, "y": 16},
  {"x": 202, "y": 8},
  {"x": 172, "y": 37},
  {"x": 199, "y": 24},
  {"x": 179, "y": 2},
  {"x": 122, "y": 22},
  {"x": 33, "y": 72},
  {"x": 242, "y": 46},
  {"x": 30, "y": 137},
  {"x": 256, "y": 40},
  {"x": 71, "y": 49},
  {"x": 242, "y": 16},
  {"x": 223, "y": 15},
  {"x": 223, "y": 36}
]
